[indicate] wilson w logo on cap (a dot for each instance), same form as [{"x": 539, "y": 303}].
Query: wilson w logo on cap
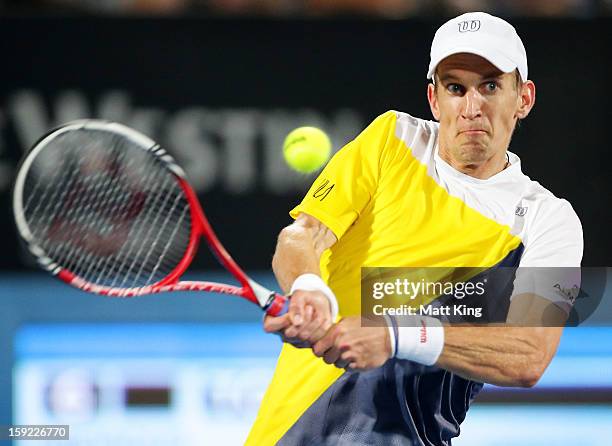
[{"x": 469, "y": 26}]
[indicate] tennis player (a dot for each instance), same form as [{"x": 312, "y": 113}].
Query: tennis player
[{"x": 413, "y": 192}]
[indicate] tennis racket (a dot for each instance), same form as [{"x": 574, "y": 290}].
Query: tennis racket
[{"x": 107, "y": 210}]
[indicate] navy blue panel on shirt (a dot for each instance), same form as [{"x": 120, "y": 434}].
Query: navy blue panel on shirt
[{"x": 402, "y": 402}]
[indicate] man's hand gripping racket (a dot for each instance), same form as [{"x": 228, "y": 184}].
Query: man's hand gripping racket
[{"x": 107, "y": 210}]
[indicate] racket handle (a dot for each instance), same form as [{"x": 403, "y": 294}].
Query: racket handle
[{"x": 277, "y": 306}]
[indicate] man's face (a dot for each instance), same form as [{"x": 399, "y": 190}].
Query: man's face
[{"x": 477, "y": 106}]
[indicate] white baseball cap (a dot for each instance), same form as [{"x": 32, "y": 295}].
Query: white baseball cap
[{"x": 484, "y": 35}]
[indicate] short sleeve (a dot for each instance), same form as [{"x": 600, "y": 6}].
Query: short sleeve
[
  {"x": 347, "y": 183},
  {"x": 550, "y": 265}
]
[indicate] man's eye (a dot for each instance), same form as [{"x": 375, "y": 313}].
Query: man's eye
[
  {"x": 454, "y": 88},
  {"x": 491, "y": 86}
]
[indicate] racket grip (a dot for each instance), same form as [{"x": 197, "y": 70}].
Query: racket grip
[{"x": 278, "y": 305}]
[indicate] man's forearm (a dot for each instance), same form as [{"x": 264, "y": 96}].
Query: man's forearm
[
  {"x": 505, "y": 356},
  {"x": 295, "y": 255},
  {"x": 313, "y": 306},
  {"x": 299, "y": 249}
]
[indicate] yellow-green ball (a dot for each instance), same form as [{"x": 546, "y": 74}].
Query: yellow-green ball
[{"x": 306, "y": 149}]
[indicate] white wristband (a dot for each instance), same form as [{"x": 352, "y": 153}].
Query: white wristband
[
  {"x": 391, "y": 334},
  {"x": 312, "y": 282},
  {"x": 423, "y": 342}
]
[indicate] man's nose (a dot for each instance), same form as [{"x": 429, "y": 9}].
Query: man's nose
[{"x": 472, "y": 104}]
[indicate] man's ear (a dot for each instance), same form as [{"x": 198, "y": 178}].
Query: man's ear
[
  {"x": 527, "y": 99},
  {"x": 433, "y": 101}
]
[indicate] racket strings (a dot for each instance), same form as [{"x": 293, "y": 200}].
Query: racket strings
[
  {"x": 90, "y": 261},
  {"x": 107, "y": 268},
  {"x": 144, "y": 253},
  {"x": 106, "y": 209},
  {"x": 42, "y": 210},
  {"x": 89, "y": 232},
  {"x": 116, "y": 271},
  {"x": 77, "y": 213},
  {"x": 146, "y": 266},
  {"x": 167, "y": 245},
  {"x": 110, "y": 268},
  {"x": 66, "y": 225},
  {"x": 137, "y": 237}
]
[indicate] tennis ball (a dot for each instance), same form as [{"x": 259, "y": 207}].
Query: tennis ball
[{"x": 306, "y": 149}]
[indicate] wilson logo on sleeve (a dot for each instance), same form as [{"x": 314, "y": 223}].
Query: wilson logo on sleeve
[{"x": 323, "y": 190}]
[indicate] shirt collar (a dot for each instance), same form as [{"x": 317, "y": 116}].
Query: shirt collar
[{"x": 513, "y": 169}]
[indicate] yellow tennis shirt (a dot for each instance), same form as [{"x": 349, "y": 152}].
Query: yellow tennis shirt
[{"x": 391, "y": 201}]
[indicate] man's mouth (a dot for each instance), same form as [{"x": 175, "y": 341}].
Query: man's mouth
[{"x": 473, "y": 132}]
